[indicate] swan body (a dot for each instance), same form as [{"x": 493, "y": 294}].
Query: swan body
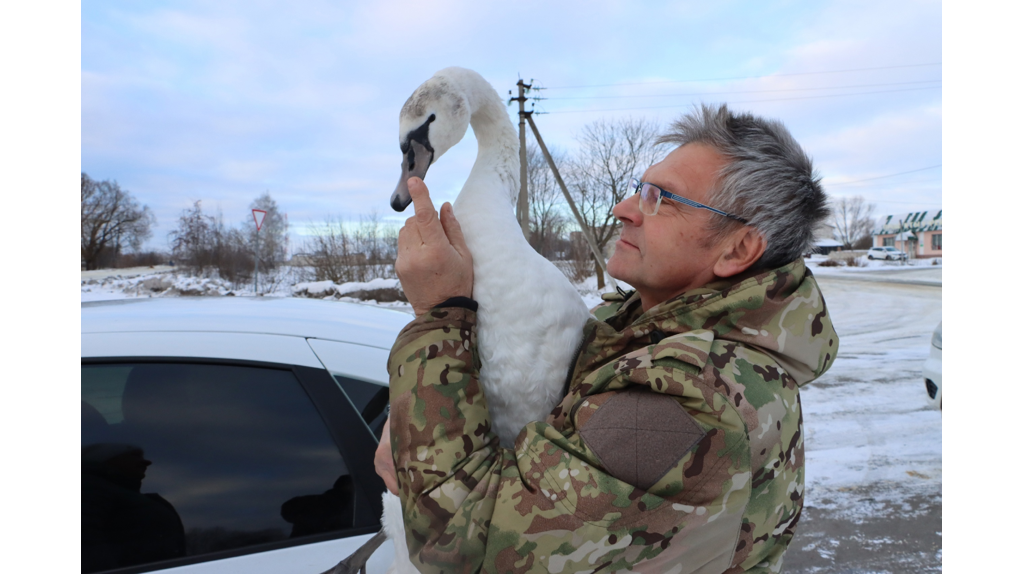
[{"x": 530, "y": 317}]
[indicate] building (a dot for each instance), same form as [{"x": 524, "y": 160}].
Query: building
[
  {"x": 918, "y": 234},
  {"x": 824, "y": 239}
]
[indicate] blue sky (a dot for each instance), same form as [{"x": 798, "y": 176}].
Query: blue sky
[{"x": 220, "y": 101}]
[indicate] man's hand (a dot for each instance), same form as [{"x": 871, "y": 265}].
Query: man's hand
[
  {"x": 433, "y": 262},
  {"x": 383, "y": 462}
]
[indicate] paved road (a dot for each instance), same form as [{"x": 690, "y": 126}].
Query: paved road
[{"x": 902, "y": 537}]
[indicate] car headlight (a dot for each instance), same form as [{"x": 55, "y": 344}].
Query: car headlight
[{"x": 937, "y": 337}]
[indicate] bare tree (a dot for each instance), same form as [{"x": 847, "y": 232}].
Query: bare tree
[
  {"x": 232, "y": 254},
  {"x": 547, "y": 216},
  {"x": 853, "y": 220},
  {"x": 111, "y": 220},
  {"x": 194, "y": 241},
  {"x": 610, "y": 153}
]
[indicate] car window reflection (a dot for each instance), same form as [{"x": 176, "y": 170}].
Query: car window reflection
[{"x": 186, "y": 459}]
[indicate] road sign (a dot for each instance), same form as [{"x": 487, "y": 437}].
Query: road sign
[{"x": 257, "y": 216}]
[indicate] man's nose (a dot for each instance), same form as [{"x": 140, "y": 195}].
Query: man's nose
[{"x": 628, "y": 210}]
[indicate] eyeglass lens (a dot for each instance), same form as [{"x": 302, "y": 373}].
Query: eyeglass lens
[{"x": 650, "y": 198}]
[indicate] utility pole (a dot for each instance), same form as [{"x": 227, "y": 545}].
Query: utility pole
[
  {"x": 523, "y": 205},
  {"x": 598, "y": 256}
]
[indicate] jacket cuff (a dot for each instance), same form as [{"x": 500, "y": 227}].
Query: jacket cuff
[{"x": 463, "y": 302}]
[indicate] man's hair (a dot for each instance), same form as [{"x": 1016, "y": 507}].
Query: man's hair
[{"x": 769, "y": 180}]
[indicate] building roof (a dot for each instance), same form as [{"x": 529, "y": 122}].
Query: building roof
[
  {"x": 827, "y": 243},
  {"x": 914, "y": 221}
]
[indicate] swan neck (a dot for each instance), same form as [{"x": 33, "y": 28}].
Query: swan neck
[{"x": 497, "y": 147}]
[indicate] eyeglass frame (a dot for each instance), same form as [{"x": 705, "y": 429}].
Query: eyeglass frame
[{"x": 636, "y": 184}]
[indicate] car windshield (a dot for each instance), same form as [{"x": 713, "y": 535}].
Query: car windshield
[{"x": 890, "y": 249}]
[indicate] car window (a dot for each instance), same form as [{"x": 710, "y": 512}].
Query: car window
[
  {"x": 370, "y": 399},
  {"x": 182, "y": 460}
]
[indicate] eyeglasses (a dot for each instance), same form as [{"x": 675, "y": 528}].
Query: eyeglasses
[{"x": 650, "y": 200}]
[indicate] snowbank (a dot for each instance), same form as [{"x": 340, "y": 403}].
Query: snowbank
[{"x": 153, "y": 285}]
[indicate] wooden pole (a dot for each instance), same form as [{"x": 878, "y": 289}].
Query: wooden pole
[
  {"x": 572, "y": 204},
  {"x": 523, "y": 205}
]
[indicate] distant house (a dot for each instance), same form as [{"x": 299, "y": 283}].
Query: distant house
[
  {"x": 918, "y": 234},
  {"x": 826, "y": 246},
  {"x": 824, "y": 239}
]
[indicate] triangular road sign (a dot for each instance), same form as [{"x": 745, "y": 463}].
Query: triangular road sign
[{"x": 258, "y": 215}]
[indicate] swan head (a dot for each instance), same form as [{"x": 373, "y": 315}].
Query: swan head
[{"x": 433, "y": 119}]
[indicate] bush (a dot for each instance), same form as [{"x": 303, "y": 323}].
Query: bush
[
  {"x": 344, "y": 254},
  {"x": 143, "y": 259},
  {"x": 856, "y": 262},
  {"x": 830, "y": 263}
]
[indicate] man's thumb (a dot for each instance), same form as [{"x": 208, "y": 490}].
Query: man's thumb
[
  {"x": 453, "y": 230},
  {"x": 421, "y": 200}
]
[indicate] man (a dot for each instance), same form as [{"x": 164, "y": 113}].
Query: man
[{"x": 679, "y": 444}]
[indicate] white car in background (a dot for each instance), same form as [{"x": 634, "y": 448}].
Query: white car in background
[
  {"x": 933, "y": 369},
  {"x": 888, "y": 253},
  {"x": 232, "y": 434}
]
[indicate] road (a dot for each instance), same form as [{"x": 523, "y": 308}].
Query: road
[
  {"x": 873, "y": 500},
  {"x": 891, "y": 273}
]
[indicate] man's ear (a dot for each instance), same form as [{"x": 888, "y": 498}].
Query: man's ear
[{"x": 742, "y": 249}]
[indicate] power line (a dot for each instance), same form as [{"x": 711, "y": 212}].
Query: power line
[
  {"x": 741, "y": 91},
  {"x": 744, "y": 77},
  {"x": 884, "y": 176},
  {"x": 742, "y": 101}
]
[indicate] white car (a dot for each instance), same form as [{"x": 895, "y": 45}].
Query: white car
[
  {"x": 232, "y": 434},
  {"x": 888, "y": 253},
  {"x": 933, "y": 369}
]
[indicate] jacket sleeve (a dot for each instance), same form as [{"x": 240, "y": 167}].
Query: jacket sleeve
[{"x": 548, "y": 504}]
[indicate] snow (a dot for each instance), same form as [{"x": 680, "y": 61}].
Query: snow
[
  {"x": 330, "y": 288},
  {"x": 866, "y": 421},
  {"x": 867, "y": 425},
  {"x": 159, "y": 284}
]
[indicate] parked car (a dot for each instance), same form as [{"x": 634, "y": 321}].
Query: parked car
[
  {"x": 232, "y": 434},
  {"x": 888, "y": 253},
  {"x": 933, "y": 369}
]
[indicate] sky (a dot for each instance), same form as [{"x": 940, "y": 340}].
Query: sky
[{"x": 221, "y": 101}]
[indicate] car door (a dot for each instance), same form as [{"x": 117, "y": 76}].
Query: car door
[{"x": 199, "y": 464}]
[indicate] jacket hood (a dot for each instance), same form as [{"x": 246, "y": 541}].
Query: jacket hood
[{"x": 780, "y": 312}]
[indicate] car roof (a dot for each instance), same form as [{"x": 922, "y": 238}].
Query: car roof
[{"x": 309, "y": 318}]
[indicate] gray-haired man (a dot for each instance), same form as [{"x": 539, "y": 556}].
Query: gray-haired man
[{"x": 679, "y": 444}]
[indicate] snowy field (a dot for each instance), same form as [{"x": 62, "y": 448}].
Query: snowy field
[{"x": 874, "y": 448}]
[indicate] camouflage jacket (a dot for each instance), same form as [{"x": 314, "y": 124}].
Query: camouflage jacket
[{"x": 678, "y": 446}]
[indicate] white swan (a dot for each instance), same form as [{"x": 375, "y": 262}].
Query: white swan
[{"x": 530, "y": 318}]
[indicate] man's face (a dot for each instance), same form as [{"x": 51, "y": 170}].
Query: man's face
[{"x": 668, "y": 253}]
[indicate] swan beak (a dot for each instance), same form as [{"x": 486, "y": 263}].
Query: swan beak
[{"x": 415, "y": 162}]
